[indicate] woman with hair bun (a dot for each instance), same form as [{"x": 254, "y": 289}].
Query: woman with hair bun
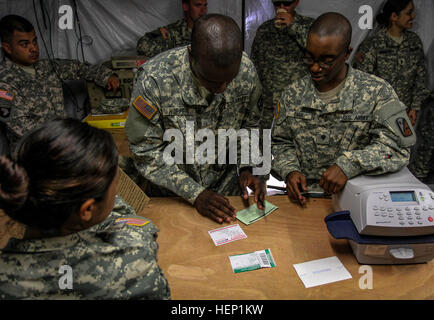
[
  {"x": 396, "y": 54},
  {"x": 86, "y": 242}
]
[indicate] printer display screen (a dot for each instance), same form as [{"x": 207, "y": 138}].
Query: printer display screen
[{"x": 402, "y": 196}]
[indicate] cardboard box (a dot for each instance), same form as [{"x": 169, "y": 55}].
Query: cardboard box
[
  {"x": 115, "y": 124},
  {"x": 131, "y": 192}
]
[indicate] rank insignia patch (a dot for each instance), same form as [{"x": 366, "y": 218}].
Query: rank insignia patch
[
  {"x": 404, "y": 127},
  {"x": 6, "y": 95},
  {"x": 5, "y": 112},
  {"x": 138, "y": 222},
  {"x": 144, "y": 107}
]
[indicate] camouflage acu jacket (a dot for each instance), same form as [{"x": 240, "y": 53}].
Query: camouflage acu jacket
[
  {"x": 364, "y": 130},
  {"x": 27, "y": 102},
  {"x": 116, "y": 259},
  {"x": 162, "y": 39},
  {"x": 166, "y": 97},
  {"x": 278, "y": 58},
  {"x": 402, "y": 65}
]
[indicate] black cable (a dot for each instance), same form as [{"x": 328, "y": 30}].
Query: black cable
[
  {"x": 79, "y": 29},
  {"x": 51, "y": 59}
]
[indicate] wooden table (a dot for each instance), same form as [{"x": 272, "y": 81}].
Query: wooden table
[{"x": 198, "y": 270}]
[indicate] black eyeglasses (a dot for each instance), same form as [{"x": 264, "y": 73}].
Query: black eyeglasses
[
  {"x": 322, "y": 63},
  {"x": 285, "y": 3}
]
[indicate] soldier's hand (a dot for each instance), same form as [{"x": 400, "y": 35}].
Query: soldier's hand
[
  {"x": 215, "y": 206},
  {"x": 247, "y": 179},
  {"x": 285, "y": 18},
  {"x": 294, "y": 182},
  {"x": 113, "y": 83},
  {"x": 412, "y": 114},
  {"x": 333, "y": 179}
]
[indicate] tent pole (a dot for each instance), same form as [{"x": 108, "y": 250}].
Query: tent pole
[{"x": 243, "y": 20}]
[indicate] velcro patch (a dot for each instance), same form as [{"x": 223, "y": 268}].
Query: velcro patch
[
  {"x": 6, "y": 95},
  {"x": 144, "y": 107},
  {"x": 404, "y": 127},
  {"x": 138, "y": 222}
]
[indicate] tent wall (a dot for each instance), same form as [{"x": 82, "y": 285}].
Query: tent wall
[{"x": 112, "y": 26}]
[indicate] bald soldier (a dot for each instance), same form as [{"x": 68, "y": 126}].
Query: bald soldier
[
  {"x": 174, "y": 35},
  {"x": 209, "y": 85},
  {"x": 337, "y": 122}
]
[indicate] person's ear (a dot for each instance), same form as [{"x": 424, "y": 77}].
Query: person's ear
[
  {"x": 185, "y": 7},
  {"x": 394, "y": 17},
  {"x": 296, "y": 3},
  {"x": 7, "y": 48},
  {"x": 88, "y": 210}
]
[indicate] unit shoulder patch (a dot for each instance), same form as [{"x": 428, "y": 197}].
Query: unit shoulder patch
[
  {"x": 164, "y": 33},
  {"x": 404, "y": 127}
]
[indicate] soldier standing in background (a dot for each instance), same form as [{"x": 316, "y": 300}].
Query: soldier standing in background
[
  {"x": 422, "y": 161},
  {"x": 277, "y": 53},
  {"x": 396, "y": 55},
  {"x": 174, "y": 35},
  {"x": 338, "y": 122},
  {"x": 31, "y": 89},
  {"x": 212, "y": 84}
]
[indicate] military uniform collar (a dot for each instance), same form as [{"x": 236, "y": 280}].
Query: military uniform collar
[
  {"x": 186, "y": 32},
  {"x": 190, "y": 91},
  {"x": 389, "y": 41},
  {"x": 343, "y": 102},
  {"x": 48, "y": 244},
  {"x": 16, "y": 68}
]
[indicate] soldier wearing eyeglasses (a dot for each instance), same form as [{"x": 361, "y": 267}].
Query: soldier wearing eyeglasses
[
  {"x": 277, "y": 53},
  {"x": 337, "y": 122}
]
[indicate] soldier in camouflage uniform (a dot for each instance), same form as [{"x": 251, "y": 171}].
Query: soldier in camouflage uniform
[
  {"x": 277, "y": 53},
  {"x": 81, "y": 241},
  {"x": 396, "y": 55},
  {"x": 338, "y": 122},
  {"x": 188, "y": 84},
  {"x": 422, "y": 162},
  {"x": 31, "y": 89},
  {"x": 174, "y": 35},
  {"x": 114, "y": 259}
]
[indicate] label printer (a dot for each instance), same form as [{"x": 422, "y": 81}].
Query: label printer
[{"x": 388, "y": 219}]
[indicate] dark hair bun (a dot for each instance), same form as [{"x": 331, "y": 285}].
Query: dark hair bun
[{"x": 14, "y": 185}]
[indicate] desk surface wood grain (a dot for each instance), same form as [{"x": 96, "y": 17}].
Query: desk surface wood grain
[{"x": 196, "y": 269}]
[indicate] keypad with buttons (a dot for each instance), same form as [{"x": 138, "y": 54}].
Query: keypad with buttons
[{"x": 388, "y": 213}]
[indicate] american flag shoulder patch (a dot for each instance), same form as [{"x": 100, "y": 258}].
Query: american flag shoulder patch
[
  {"x": 144, "y": 107},
  {"x": 6, "y": 95},
  {"x": 138, "y": 222}
]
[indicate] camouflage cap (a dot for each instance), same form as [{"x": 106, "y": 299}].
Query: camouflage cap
[{"x": 283, "y": 1}]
